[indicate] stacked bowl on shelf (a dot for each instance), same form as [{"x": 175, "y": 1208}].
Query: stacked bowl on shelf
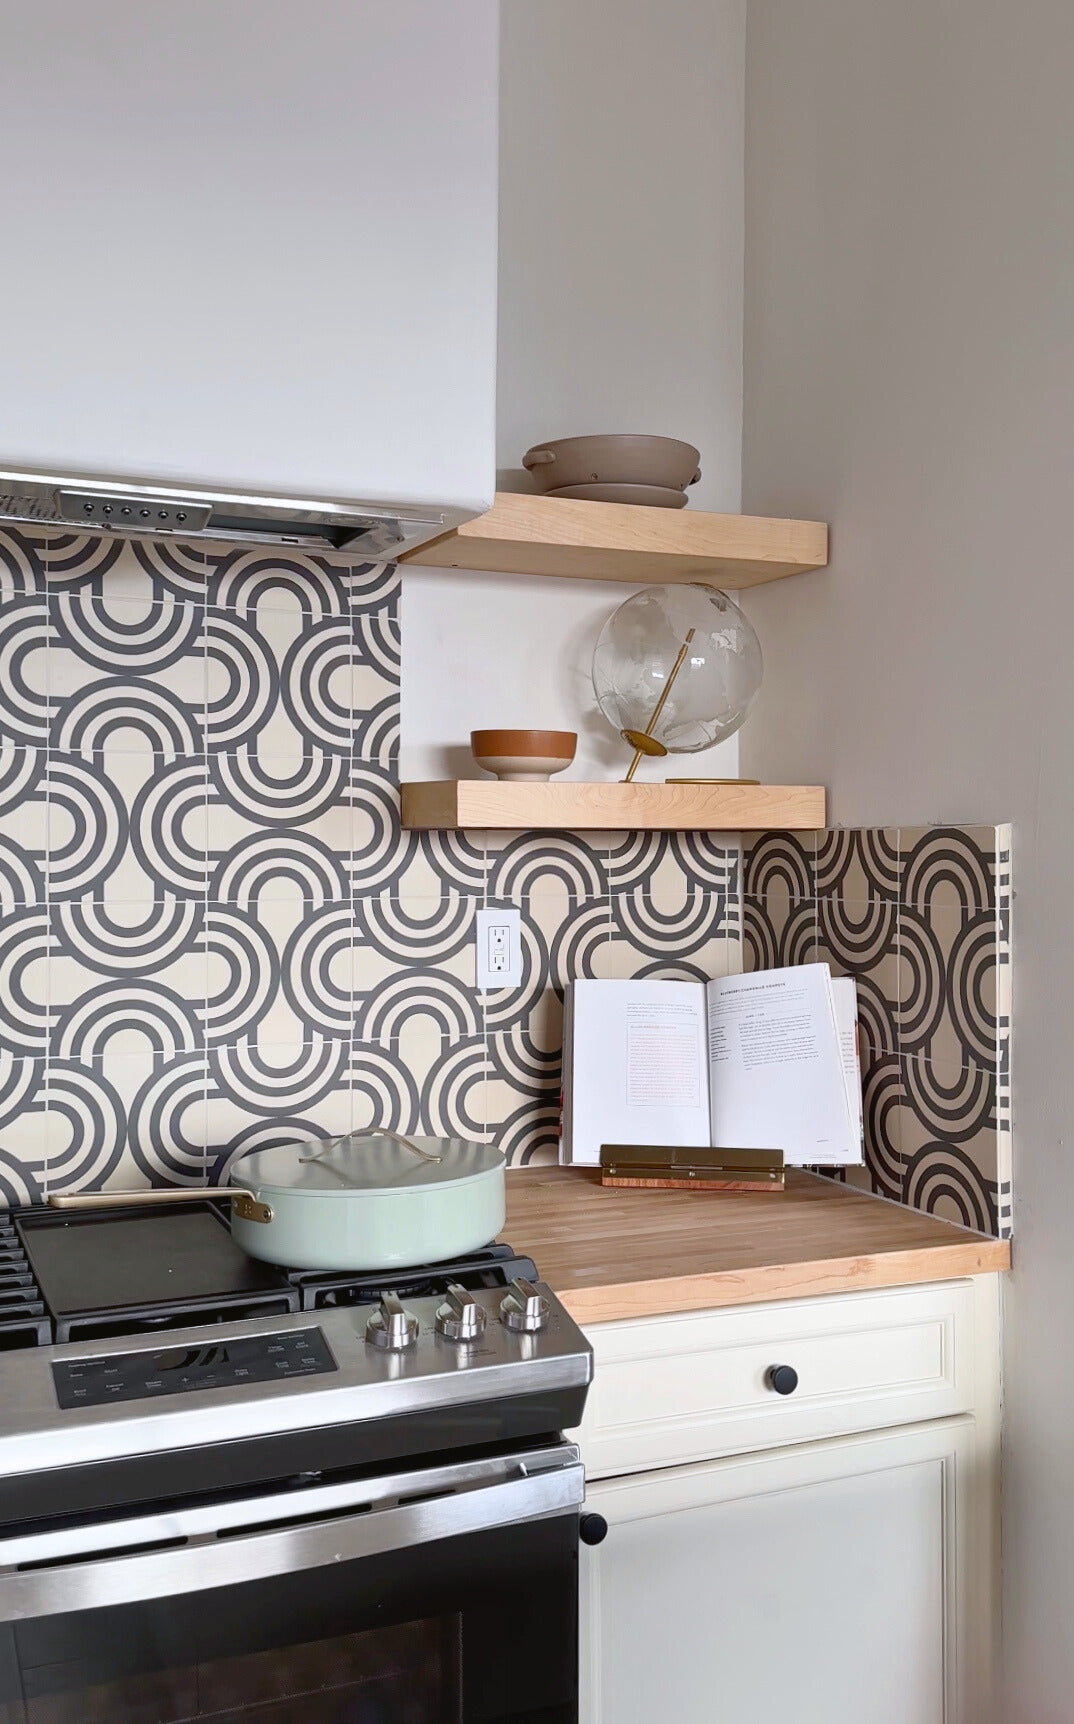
[{"x": 615, "y": 469}]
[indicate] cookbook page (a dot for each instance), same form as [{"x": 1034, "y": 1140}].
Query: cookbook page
[
  {"x": 638, "y": 1067},
  {"x": 845, "y": 999},
  {"x": 776, "y": 1069}
]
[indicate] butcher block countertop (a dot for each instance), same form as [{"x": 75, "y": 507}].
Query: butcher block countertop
[{"x": 612, "y": 1253}]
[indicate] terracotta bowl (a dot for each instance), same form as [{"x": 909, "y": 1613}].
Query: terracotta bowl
[{"x": 523, "y": 756}]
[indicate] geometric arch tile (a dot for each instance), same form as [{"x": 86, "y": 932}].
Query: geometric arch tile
[
  {"x": 22, "y": 569},
  {"x": 782, "y": 863},
  {"x": 25, "y": 636},
  {"x": 858, "y": 864},
  {"x": 945, "y": 864},
  {"x": 81, "y": 562},
  {"x": 116, "y": 638},
  {"x": 954, "y": 1102},
  {"x": 200, "y": 845},
  {"x": 116, "y": 708},
  {"x": 882, "y": 1110},
  {"x": 668, "y": 928},
  {"x": 251, "y": 583},
  {"x": 529, "y": 865},
  {"x": 945, "y": 1180}
]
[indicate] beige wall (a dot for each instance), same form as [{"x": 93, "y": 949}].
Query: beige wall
[
  {"x": 620, "y": 310},
  {"x": 909, "y": 363}
]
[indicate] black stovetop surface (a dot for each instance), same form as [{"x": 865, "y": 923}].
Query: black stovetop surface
[{"x": 137, "y": 1271}]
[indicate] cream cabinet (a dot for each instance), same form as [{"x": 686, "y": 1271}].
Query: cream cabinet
[{"x": 827, "y": 1555}]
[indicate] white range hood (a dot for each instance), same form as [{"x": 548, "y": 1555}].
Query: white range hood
[{"x": 249, "y": 268}]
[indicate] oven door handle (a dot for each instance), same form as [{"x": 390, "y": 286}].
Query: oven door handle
[{"x": 192, "y": 1550}]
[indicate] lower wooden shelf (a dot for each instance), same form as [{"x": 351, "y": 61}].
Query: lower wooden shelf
[{"x": 571, "y": 806}]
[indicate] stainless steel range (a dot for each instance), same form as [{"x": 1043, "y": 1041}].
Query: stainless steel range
[{"x": 230, "y": 1491}]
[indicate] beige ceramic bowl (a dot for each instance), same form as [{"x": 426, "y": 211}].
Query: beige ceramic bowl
[
  {"x": 523, "y": 756},
  {"x": 649, "y": 496},
  {"x": 615, "y": 460}
]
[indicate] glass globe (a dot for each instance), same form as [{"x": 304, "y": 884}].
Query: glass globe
[{"x": 705, "y": 699}]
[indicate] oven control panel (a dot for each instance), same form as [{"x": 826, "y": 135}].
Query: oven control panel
[{"x": 183, "y": 1370}]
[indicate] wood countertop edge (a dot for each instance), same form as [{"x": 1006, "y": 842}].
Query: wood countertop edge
[
  {"x": 611, "y": 1255},
  {"x": 667, "y": 1296}
]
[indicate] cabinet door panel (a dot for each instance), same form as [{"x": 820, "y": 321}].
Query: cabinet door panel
[{"x": 817, "y": 1584}]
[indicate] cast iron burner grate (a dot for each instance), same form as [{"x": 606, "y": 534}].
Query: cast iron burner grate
[
  {"x": 23, "y": 1322},
  {"x": 144, "y": 1271}
]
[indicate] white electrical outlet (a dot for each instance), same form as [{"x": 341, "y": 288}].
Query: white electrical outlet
[{"x": 499, "y": 950}]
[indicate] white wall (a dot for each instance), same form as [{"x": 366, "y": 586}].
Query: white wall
[
  {"x": 909, "y": 363},
  {"x": 620, "y": 309}
]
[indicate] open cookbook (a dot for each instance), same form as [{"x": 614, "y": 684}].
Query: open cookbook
[{"x": 761, "y": 1061}]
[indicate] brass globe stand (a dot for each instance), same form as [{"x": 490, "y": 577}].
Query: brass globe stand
[{"x": 643, "y": 742}]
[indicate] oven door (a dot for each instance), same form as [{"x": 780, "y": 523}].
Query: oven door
[{"x": 441, "y": 1596}]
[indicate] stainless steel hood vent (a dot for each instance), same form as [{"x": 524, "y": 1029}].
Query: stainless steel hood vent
[{"x": 375, "y": 530}]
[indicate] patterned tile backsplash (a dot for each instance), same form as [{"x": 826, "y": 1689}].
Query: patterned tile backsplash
[
  {"x": 214, "y": 933},
  {"x": 920, "y": 916}
]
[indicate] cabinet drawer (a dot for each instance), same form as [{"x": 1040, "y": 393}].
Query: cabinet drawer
[{"x": 674, "y": 1389}]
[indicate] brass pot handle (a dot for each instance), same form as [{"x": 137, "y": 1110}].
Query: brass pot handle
[{"x": 247, "y": 1205}]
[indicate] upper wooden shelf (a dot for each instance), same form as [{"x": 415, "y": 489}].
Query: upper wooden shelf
[
  {"x": 524, "y": 535},
  {"x": 576, "y": 807}
]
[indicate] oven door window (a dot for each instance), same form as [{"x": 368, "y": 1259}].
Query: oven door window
[
  {"x": 408, "y": 1670},
  {"x": 479, "y": 1629}
]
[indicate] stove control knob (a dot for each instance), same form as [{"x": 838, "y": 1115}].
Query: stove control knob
[
  {"x": 460, "y": 1317},
  {"x": 392, "y": 1328},
  {"x": 523, "y": 1309}
]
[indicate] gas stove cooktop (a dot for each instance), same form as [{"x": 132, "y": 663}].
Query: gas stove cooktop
[
  {"x": 142, "y": 1354},
  {"x": 127, "y": 1272}
]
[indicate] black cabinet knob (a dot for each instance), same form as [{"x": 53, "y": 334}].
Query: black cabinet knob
[
  {"x": 782, "y": 1378},
  {"x": 592, "y": 1529}
]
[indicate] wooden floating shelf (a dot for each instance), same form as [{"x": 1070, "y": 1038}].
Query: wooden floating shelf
[
  {"x": 525, "y": 535},
  {"x": 569, "y": 806}
]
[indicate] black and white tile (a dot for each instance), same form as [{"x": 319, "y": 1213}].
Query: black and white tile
[
  {"x": 921, "y": 918},
  {"x": 179, "y": 730},
  {"x": 215, "y": 934}
]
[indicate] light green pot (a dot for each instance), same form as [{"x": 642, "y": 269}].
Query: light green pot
[{"x": 370, "y": 1201}]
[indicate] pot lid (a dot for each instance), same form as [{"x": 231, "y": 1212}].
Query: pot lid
[{"x": 363, "y": 1162}]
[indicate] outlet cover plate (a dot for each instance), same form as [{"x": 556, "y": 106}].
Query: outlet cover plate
[{"x": 499, "y": 950}]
